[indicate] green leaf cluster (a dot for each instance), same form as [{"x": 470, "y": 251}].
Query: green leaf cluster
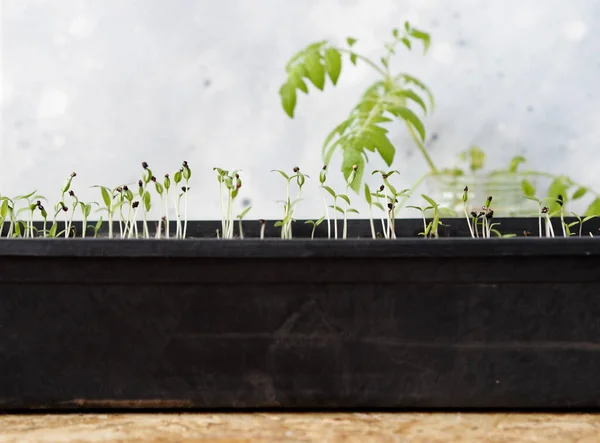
[{"x": 392, "y": 98}]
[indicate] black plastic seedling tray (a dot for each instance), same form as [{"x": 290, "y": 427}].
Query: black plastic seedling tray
[{"x": 320, "y": 324}]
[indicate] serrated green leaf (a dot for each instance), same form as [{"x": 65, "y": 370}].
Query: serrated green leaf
[
  {"x": 287, "y": 92},
  {"x": 299, "y": 83},
  {"x": 315, "y": 71},
  {"x": 351, "y": 41},
  {"x": 579, "y": 193},
  {"x": 350, "y": 158},
  {"x": 594, "y": 208},
  {"x": 412, "y": 95},
  {"x": 423, "y": 36},
  {"x": 410, "y": 117},
  {"x": 384, "y": 147},
  {"x": 333, "y": 64},
  {"x": 528, "y": 188},
  {"x": 419, "y": 84}
]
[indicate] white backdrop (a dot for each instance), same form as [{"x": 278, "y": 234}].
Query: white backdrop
[{"x": 98, "y": 86}]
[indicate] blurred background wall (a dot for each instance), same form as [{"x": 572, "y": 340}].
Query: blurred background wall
[{"x": 98, "y": 86}]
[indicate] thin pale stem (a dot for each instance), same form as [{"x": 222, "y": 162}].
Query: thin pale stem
[
  {"x": 371, "y": 222},
  {"x": 185, "y": 208}
]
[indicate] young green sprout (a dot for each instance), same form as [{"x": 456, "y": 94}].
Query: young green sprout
[
  {"x": 561, "y": 202},
  {"x": 8, "y": 211},
  {"x": 289, "y": 206},
  {"x": 44, "y": 215},
  {"x": 488, "y": 214},
  {"x": 543, "y": 213},
  {"x": 371, "y": 203},
  {"x": 145, "y": 197},
  {"x": 262, "y": 228},
  {"x": 580, "y": 221},
  {"x": 549, "y": 229},
  {"x": 392, "y": 202},
  {"x": 167, "y": 187},
  {"x": 322, "y": 179},
  {"x": 240, "y": 217},
  {"x": 465, "y": 199},
  {"x": 5, "y": 211},
  {"x": 107, "y": 197},
  {"x": 187, "y": 174},
  {"x": 31, "y": 207},
  {"x": 314, "y": 225},
  {"x": 133, "y": 222},
  {"x": 432, "y": 227},
  {"x": 160, "y": 191},
  {"x": 348, "y": 209},
  {"x": 422, "y": 211},
  {"x": 74, "y": 205},
  {"x": 177, "y": 177},
  {"x": 229, "y": 188},
  {"x": 86, "y": 210},
  {"x": 335, "y": 197}
]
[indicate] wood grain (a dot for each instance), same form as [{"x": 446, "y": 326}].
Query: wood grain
[{"x": 302, "y": 427}]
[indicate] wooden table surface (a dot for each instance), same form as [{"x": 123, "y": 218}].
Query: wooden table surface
[{"x": 302, "y": 427}]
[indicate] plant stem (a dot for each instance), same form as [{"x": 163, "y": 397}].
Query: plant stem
[
  {"x": 222, "y": 205},
  {"x": 371, "y": 222},
  {"x": 335, "y": 224},
  {"x": 422, "y": 148},
  {"x": 345, "y": 229},
  {"x": 110, "y": 223},
  {"x": 468, "y": 220},
  {"x": 366, "y": 60},
  {"x": 178, "y": 217},
  {"x": 562, "y": 221},
  {"x": 166, "y": 213},
  {"x": 31, "y": 224},
  {"x": 327, "y": 214},
  {"x": 185, "y": 207}
]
